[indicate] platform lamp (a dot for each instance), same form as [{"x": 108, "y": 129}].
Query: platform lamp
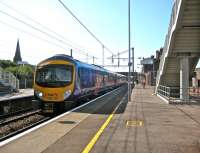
[{"x": 129, "y": 52}]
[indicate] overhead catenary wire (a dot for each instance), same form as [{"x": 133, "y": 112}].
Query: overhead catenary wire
[
  {"x": 28, "y": 33},
  {"x": 81, "y": 23},
  {"x": 46, "y": 28},
  {"x": 38, "y": 37},
  {"x": 119, "y": 53},
  {"x": 37, "y": 29}
]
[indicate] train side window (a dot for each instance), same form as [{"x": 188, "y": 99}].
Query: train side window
[
  {"x": 86, "y": 78},
  {"x": 93, "y": 78},
  {"x": 79, "y": 78},
  {"x": 105, "y": 78},
  {"x": 82, "y": 77}
]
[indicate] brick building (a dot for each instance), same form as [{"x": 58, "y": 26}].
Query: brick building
[{"x": 150, "y": 67}]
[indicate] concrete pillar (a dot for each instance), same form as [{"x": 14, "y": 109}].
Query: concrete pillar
[{"x": 184, "y": 78}]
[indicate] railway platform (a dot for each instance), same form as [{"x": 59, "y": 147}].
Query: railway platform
[
  {"x": 20, "y": 94},
  {"x": 145, "y": 124}
]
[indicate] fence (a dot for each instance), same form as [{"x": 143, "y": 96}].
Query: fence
[
  {"x": 172, "y": 94},
  {"x": 25, "y": 83},
  {"x": 8, "y": 79}
]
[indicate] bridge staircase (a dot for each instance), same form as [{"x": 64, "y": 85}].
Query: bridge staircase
[{"x": 182, "y": 45}]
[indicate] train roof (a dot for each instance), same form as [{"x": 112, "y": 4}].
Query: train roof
[
  {"x": 59, "y": 57},
  {"x": 78, "y": 63}
]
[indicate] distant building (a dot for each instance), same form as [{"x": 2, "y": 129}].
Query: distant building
[
  {"x": 23, "y": 63},
  {"x": 147, "y": 64},
  {"x": 150, "y": 67},
  {"x": 148, "y": 70},
  {"x": 17, "y": 58}
]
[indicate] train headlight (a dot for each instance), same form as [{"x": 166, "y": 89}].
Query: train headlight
[
  {"x": 39, "y": 94},
  {"x": 67, "y": 94}
]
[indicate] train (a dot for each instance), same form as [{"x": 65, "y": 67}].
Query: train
[{"x": 62, "y": 80}]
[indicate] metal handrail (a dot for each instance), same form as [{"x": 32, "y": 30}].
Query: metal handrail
[
  {"x": 8, "y": 79},
  {"x": 173, "y": 19},
  {"x": 172, "y": 94}
]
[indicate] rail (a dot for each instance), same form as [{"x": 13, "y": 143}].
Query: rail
[
  {"x": 172, "y": 94},
  {"x": 173, "y": 20},
  {"x": 8, "y": 79},
  {"x": 18, "y": 117},
  {"x": 24, "y": 128}
]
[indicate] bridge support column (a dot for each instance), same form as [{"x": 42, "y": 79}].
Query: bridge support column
[{"x": 184, "y": 78}]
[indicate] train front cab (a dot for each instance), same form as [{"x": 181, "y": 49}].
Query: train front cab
[{"x": 53, "y": 84}]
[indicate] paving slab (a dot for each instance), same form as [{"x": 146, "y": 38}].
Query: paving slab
[{"x": 153, "y": 127}]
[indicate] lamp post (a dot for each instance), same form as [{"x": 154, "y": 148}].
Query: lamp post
[
  {"x": 133, "y": 66},
  {"x": 153, "y": 73},
  {"x": 129, "y": 52}
]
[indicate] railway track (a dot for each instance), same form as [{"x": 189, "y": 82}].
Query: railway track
[
  {"x": 18, "y": 117},
  {"x": 12, "y": 127}
]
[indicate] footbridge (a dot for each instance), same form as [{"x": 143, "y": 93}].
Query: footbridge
[{"x": 181, "y": 50}]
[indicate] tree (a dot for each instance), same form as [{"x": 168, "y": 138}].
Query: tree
[
  {"x": 7, "y": 63},
  {"x": 17, "y": 58},
  {"x": 22, "y": 72}
]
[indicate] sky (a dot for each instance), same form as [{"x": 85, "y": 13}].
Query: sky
[{"x": 45, "y": 28}]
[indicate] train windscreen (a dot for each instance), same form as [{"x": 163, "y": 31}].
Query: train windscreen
[{"x": 54, "y": 75}]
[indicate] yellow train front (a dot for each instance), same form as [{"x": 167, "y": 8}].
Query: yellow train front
[
  {"x": 60, "y": 81},
  {"x": 54, "y": 82}
]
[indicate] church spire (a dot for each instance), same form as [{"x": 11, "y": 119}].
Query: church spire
[{"x": 17, "y": 58}]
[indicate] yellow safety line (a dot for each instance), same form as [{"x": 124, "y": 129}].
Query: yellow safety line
[
  {"x": 97, "y": 135},
  {"x": 95, "y": 138}
]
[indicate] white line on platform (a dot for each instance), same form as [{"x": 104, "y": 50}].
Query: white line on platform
[
  {"x": 163, "y": 98},
  {"x": 49, "y": 121}
]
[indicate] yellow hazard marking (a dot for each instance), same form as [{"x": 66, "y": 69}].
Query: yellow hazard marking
[
  {"x": 95, "y": 138},
  {"x": 134, "y": 123},
  {"x": 97, "y": 135}
]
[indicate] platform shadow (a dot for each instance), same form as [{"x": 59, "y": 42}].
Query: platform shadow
[{"x": 105, "y": 106}]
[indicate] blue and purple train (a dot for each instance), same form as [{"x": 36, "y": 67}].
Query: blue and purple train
[{"x": 60, "y": 80}]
